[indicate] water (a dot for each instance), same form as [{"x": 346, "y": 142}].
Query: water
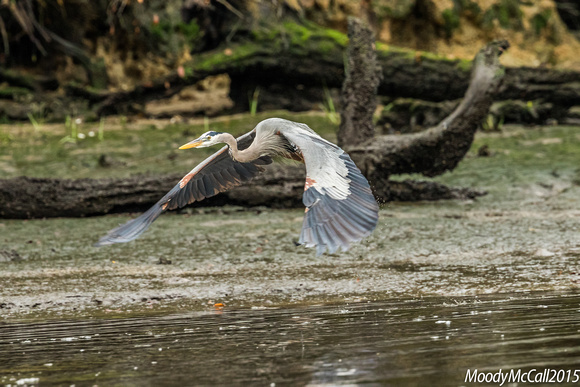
[{"x": 430, "y": 341}]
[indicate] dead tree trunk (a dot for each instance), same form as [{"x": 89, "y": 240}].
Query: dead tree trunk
[
  {"x": 359, "y": 90},
  {"x": 438, "y": 149}
]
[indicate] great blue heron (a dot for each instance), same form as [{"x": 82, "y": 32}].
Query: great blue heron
[{"x": 340, "y": 207}]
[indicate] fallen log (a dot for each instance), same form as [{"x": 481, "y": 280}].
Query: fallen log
[
  {"x": 300, "y": 59},
  {"x": 280, "y": 186},
  {"x": 25, "y": 198}
]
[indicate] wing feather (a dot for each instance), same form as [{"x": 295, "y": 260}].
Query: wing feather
[
  {"x": 216, "y": 174},
  {"x": 340, "y": 206}
]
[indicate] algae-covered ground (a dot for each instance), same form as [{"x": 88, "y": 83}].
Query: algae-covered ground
[
  {"x": 523, "y": 236},
  {"x": 119, "y": 146}
]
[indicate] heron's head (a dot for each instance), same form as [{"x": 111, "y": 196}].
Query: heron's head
[{"x": 207, "y": 139}]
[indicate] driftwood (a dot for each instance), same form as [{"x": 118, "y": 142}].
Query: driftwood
[{"x": 430, "y": 153}]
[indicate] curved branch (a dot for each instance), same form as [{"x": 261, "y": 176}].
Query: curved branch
[{"x": 440, "y": 148}]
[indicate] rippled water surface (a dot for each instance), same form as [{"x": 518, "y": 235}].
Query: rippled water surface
[{"x": 400, "y": 342}]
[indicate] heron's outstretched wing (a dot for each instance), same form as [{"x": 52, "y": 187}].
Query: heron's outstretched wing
[
  {"x": 340, "y": 206},
  {"x": 216, "y": 174}
]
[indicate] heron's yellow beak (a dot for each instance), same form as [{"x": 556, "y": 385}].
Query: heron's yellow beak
[{"x": 192, "y": 144}]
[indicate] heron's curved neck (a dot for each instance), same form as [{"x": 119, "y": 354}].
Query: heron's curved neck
[{"x": 243, "y": 156}]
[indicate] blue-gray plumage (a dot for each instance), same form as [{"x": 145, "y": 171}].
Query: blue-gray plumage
[{"x": 340, "y": 207}]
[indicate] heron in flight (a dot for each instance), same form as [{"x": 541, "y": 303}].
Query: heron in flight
[{"x": 340, "y": 207}]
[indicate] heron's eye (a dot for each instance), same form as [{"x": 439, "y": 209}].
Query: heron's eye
[{"x": 208, "y": 137}]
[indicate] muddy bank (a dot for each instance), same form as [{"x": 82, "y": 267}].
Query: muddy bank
[{"x": 248, "y": 259}]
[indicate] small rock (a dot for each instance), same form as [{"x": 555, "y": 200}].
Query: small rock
[
  {"x": 543, "y": 253},
  {"x": 484, "y": 151},
  {"x": 164, "y": 261},
  {"x": 106, "y": 161}
]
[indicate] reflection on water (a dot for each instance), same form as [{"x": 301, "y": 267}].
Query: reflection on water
[{"x": 401, "y": 342}]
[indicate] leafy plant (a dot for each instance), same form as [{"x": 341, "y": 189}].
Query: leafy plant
[
  {"x": 254, "y": 102},
  {"x": 540, "y": 20},
  {"x": 34, "y": 122},
  {"x": 328, "y": 107},
  {"x": 492, "y": 124},
  {"x": 451, "y": 21},
  {"x": 506, "y": 12},
  {"x": 101, "y": 132},
  {"x": 71, "y": 127}
]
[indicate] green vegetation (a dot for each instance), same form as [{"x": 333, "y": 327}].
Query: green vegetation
[
  {"x": 70, "y": 126},
  {"x": 34, "y": 122},
  {"x": 254, "y": 101},
  {"x": 300, "y": 40},
  {"x": 397, "y": 9},
  {"x": 467, "y": 7},
  {"x": 13, "y": 92},
  {"x": 300, "y": 35},
  {"x": 492, "y": 123},
  {"x": 519, "y": 157},
  {"x": 5, "y": 139},
  {"x": 215, "y": 60},
  {"x": 540, "y": 20},
  {"x": 329, "y": 109},
  {"x": 175, "y": 37},
  {"x": 464, "y": 65},
  {"x": 451, "y": 20},
  {"x": 452, "y": 16},
  {"x": 101, "y": 132},
  {"x": 506, "y": 12}
]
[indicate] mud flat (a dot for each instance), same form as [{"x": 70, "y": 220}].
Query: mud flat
[{"x": 522, "y": 237}]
